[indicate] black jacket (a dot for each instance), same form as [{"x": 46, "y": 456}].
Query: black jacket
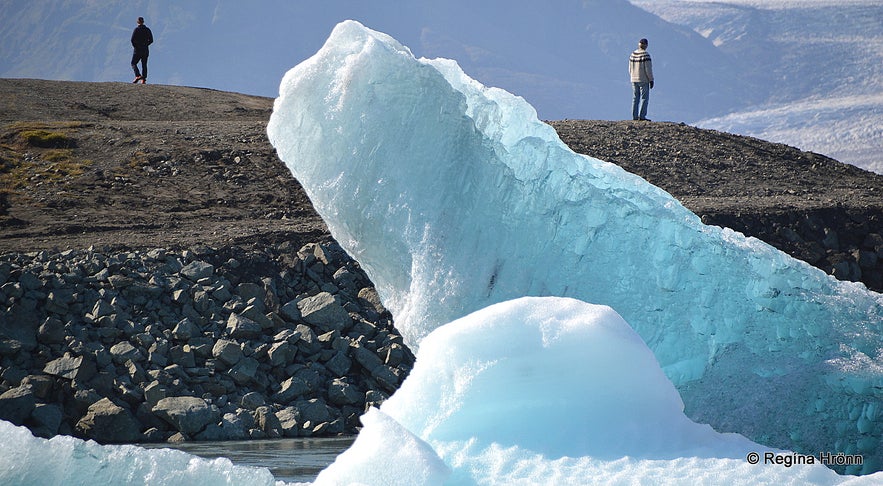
[{"x": 142, "y": 37}]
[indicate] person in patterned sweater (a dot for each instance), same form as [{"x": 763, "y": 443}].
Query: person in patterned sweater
[{"x": 641, "y": 72}]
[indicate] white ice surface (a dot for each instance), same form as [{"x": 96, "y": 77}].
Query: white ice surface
[
  {"x": 453, "y": 196},
  {"x": 67, "y": 461},
  {"x": 549, "y": 391}
]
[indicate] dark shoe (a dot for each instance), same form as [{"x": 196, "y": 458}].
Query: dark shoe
[
  {"x": 143, "y": 80},
  {"x": 137, "y": 78},
  {"x": 645, "y": 119}
]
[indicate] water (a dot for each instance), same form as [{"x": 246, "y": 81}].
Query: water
[{"x": 290, "y": 460}]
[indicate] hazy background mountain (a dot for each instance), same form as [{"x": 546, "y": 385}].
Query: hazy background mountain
[{"x": 803, "y": 73}]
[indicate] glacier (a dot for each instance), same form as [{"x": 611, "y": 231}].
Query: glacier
[{"x": 453, "y": 196}]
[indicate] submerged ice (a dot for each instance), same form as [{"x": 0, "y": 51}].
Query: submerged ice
[{"x": 453, "y": 197}]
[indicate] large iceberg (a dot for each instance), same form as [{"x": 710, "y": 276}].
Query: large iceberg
[{"x": 453, "y": 196}]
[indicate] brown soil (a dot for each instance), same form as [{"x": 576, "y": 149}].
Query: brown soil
[{"x": 144, "y": 166}]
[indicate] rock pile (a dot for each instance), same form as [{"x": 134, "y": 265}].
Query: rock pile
[
  {"x": 844, "y": 242},
  {"x": 201, "y": 344}
]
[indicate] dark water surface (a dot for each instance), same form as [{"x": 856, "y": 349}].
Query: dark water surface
[{"x": 290, "y": 460}]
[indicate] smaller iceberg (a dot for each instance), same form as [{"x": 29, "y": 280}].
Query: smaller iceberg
[
  {"x": 63, "y": 461},
  {"x": 549, "y": 390}
]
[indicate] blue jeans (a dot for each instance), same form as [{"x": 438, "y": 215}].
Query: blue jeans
[{"x": 641, "y": 97}]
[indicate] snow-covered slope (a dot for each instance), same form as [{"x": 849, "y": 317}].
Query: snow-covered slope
[{"x": 818, "y": 64}]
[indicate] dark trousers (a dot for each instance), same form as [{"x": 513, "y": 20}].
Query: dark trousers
[{"x": 140, "y": 55}]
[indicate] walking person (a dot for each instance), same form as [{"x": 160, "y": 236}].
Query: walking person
[
  {"x": 141, "y": 38},
  {"x": 641, "y": 72}
]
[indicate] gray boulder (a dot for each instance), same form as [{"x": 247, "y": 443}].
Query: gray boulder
[
  {"x": 244, "y": 371},
  {"x": 197, "y": 270},
  {"x": 16, "y": 404},
  {"x": 366, "y": 357},
  {"x": 325, "y": 312},
  {"x": 281, "y": 353},
  {"x": 187, "y": 415},
  {"x": 339, "y": 364},
  {"x": 252, "y": 400},
  {"x": 292, "y": 388},
  {"x": 314, "y": 410},
  {"x": 248, "y": 291},
  {"x": 51, "y": 331},
  {"x": 342, "y": 393},
  {"x": 368, "y": 297},
  {"x": 290, "y": 311},
  {"x": 186, "y": 329},
  {"x": 228, "y": 352},
  {"x": 256, "y": 314},
  {"x": 107, "y": 422},
  {"x": 268, "y": 422},
  {"x": 47, "y": 418},
  {"x": 289, "y": 421},
  {"x": 71, "y": 367},
  {"x": 241, "y": 327},
  {"x": 124, "y": 351}
]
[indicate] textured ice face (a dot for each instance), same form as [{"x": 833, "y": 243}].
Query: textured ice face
[{"x": 453, "y": 196}]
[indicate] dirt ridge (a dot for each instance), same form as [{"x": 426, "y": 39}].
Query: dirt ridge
[{"x": 149, "y": 166}]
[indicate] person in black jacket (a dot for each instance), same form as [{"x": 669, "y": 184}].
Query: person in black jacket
[{"x": 141, "y": 38}]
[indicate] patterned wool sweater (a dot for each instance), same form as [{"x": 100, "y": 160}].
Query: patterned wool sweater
[{"x": 640, "y": 66}]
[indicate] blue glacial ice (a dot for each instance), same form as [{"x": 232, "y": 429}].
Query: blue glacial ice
[{"x": 453, "y": 196}]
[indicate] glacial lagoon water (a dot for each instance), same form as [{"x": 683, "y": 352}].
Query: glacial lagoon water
[{"x": 293, "y": 460}]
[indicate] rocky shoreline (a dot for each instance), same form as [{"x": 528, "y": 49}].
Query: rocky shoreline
[{"x": 200, "y": 344}]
